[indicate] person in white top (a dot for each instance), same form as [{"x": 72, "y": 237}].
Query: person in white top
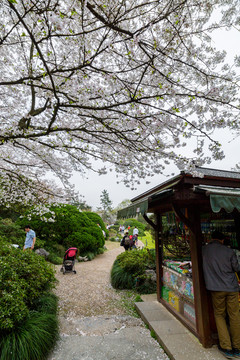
[{"x": 135, "y": 231}]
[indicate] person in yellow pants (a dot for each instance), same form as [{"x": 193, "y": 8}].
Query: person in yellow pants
[{"x": 220, "y": 265}]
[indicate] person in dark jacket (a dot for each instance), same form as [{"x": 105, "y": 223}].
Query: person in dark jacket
[
  {"x": 220, "y": 265},
  {"x": 126, "y": 241}
]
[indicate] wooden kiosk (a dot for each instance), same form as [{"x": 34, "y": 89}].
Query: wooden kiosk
[{"x": 188, "y": 208}]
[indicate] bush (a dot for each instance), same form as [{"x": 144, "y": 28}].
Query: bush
[
  {"x": 11, "y": 232},
  {"x": 24, "y": 276},
  {"x": 54, "y": 259},
  {"x": 32, "y": 340},
  {"x": 46, "y": 303},
  {"x": 97, "y": 220},
  {"x": 100, "y": 251},
  {"x": 132, "y": 223},
  {"x": 128, "y": 271},
  {"x": 59, "y": 250},
  {"x": 89, "y": 255},
  {"x": 70, "y": 228},
  {"x": 121, "y": 279}
]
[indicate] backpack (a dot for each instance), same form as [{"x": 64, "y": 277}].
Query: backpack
[{"x": 127, "y": 240}]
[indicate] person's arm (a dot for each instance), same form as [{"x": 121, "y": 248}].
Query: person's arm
[
  {"x": 34, "y": 240},
  {"x": 235, "y": 263}
]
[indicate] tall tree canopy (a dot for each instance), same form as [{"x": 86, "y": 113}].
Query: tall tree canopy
[{"x": 116, "y": 80}]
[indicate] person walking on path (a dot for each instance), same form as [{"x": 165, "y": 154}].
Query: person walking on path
[
  {"x": 135, "y": 231},
  {"x": 126, "y": 241},
  {"x": 220, "y": 266},
  {"x": 30, "y": 238}
]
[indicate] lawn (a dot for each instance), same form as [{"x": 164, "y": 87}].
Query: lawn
[{"x": 148, "y": 240}]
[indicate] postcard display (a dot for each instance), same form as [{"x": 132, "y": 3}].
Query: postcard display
[
  {"x": 177, "y": 285},
  {"x": 177, "y": 289}
]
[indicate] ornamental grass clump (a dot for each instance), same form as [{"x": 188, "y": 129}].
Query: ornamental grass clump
[
  {"x": 32, "y": 340},
  {"x": 128, "y": 271}
]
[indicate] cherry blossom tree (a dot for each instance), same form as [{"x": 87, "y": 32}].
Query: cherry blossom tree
[{"x": 122, "y": 81}]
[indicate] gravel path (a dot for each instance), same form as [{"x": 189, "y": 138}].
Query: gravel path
[{"x": 94, "y": 325}]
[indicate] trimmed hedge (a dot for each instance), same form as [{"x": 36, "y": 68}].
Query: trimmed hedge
[{"x": 97, "y": 220}]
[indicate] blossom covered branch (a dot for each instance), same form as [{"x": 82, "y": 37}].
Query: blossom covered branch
[{"x": 125, "y": 82}]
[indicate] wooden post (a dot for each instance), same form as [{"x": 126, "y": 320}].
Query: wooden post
[
  {"x": 200, "y": 292},
  {"x": 159, "y": 254}
]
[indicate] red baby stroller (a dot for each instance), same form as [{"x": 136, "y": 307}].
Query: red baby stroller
[{"x": 69, "y": 260}]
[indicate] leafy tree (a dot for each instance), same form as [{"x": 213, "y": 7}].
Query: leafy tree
[
  {"x": 125, "y": 82},
  {"x": 106, "y": 207},
  {"x": 105, "y": 201}
]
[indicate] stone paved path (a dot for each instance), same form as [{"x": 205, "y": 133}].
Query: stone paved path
[{"x": 93, "y": 323}]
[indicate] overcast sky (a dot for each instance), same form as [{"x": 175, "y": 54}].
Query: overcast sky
[{"x": 92, "y": 186}]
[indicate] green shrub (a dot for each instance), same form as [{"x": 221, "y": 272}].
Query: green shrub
[
  {"x": 97, "y": 220},
  {"x": 24, "y": 276},
  {"x": 32, "y": 340},
  {"x": 128, "y": 271},
  {"x": 134, "y": 262},
  {"x": 46, "y": 303},
  {"x": 132, "y": 223},
  {"x": 58, "y": 250},
  {"x": 100, "y": 251},
  {"x": 54, "y": 259},
  {"x": 146, "y": 287},
  {"x": 70, "y": 228},
  {"x": 11, "y": 232},
  {"x": 120, "y": 278},
  {"x": 114, "y": 228}
]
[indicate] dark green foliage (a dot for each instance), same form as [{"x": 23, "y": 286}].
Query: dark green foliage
[
  {"x": 46, "y": 303},
  {"x": 59, "y": 250},
  {"x": 89, "y": 255},
  {"x": 120, "y": 278},
  {"x": 132, "y": 223},
  {"x": 100, "y": 251},
  {"x": 128, "y": 271},
  {"x": 11, "y": 232},
  {"x": 97, "y": 220},
  {"x": 54, "y": 259},
  {"x": 32, "y": 340},
  {"x": 146, "y": 287},
  {"x": 136, "y": 261},
  {"x": 70, "y": 228},
  {"x": 24, "y": 276}
]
